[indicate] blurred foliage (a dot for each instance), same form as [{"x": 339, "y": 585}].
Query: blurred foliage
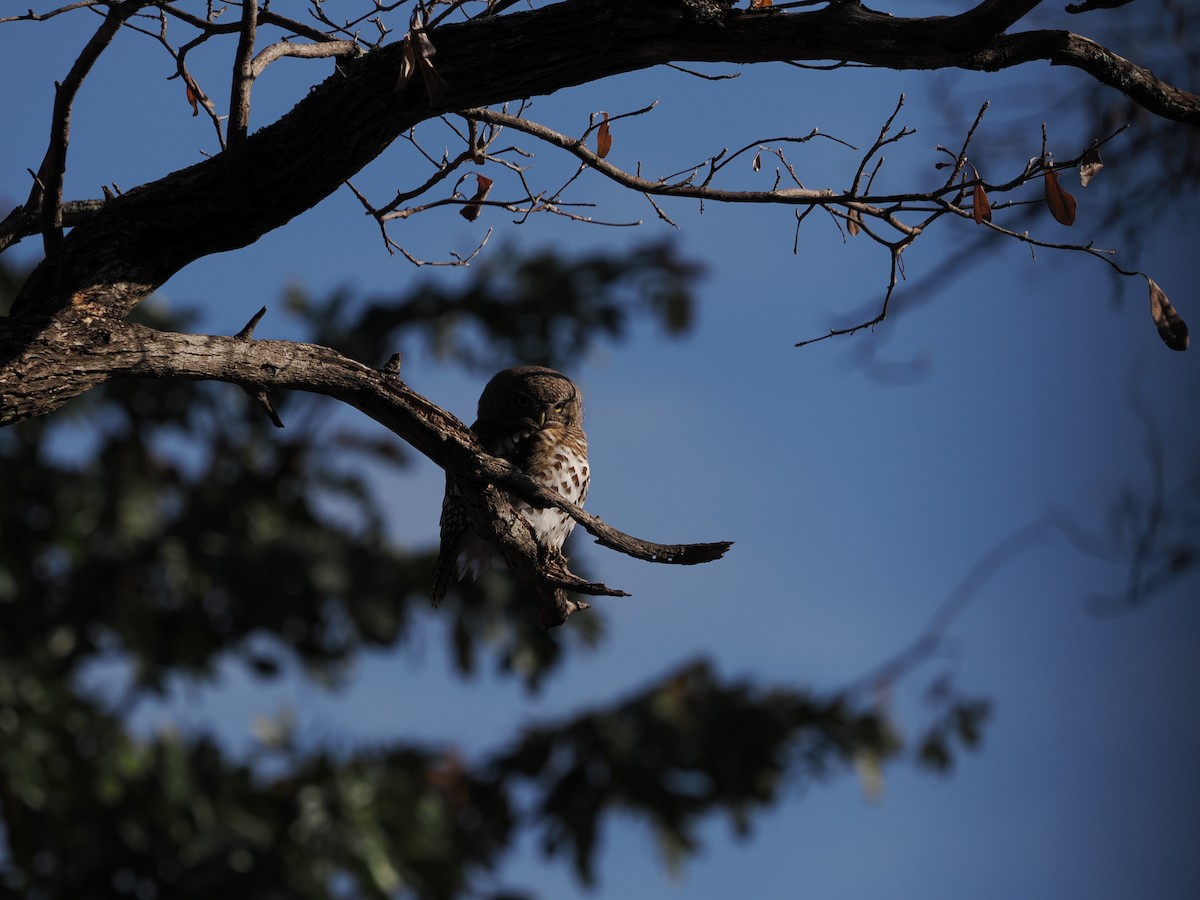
[
  {"x": 1148, "y": 168},
  {"x": 169, "y": 528},
  {"x": 1156, "y": 161},
  {"x": 535, "y": 308},
  {"x": 686, "y": 747}
]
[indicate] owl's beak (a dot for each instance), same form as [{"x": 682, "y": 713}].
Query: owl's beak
[{"x": 541, "y": 419}]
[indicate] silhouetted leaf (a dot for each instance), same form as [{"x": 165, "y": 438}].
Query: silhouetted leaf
[
  {"x": 1171, "y": 327},
  {"x": 1061, "y": 204}
]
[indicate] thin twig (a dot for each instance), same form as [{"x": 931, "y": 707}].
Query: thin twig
[{"x": 47, "y": 191}]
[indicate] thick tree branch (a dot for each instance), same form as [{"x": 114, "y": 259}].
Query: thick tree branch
[
  {"x": 23, "y": 221},
  {"x": 119, "y": 349},
  {"x": 1062, "y": 48}
]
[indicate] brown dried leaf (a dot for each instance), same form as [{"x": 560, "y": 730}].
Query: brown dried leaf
[
  {"x": 853, "y": 222},
  {"x": 1062, "y": 204},
  {"x": 435, "y": 85},
  {"x": 757, "y": 164},
  {"x": 603, "y": 138},
  {"x": 418, "y": 50},
  {"x": 1090, "y": 166},
  {"x": 1171, "y": 327},
  {"x": 191, "y": 98},
  {"x": 471, "y": 210},
  {"x": 983, "y": 208},
  {"x": 408, "y": 65},
  {"x": 761, "y": 4}
]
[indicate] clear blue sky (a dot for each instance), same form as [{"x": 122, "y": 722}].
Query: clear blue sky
[{"x": 857, "y": 505}]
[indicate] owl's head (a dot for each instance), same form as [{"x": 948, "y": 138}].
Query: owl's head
[{"x": 532, "y": 396}]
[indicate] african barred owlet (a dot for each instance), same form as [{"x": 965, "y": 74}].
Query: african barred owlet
[{"x": 530, "y": 416}]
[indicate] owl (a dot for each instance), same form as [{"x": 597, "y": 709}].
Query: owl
[{"x": 530, "y": 416}]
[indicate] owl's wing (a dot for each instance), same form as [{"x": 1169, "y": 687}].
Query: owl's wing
[{"x": 454, "y": 525}]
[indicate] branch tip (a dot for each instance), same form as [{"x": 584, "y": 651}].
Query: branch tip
[
  {"x": 260, "y": 395},
  {"x": 248, "y": 330}
]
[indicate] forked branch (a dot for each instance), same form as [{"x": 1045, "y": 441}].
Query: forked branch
[{"x": 263, "y": 365}]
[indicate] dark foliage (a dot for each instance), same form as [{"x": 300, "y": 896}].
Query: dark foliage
[{"x": 169, "y": 527}]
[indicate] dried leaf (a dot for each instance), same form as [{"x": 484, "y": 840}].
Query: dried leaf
[
  {"x": 603, "y": 138},
  {"x": 757, "y": 164},
  {"x": 408, "y": 66},
  {"x": 1171, "y": 328},
  {"x": 979, "y": 199},
  {"x": 191, "y": 98},
  {"x": 471, "y": 210},
  {"x": 1062, "y": 204},
  {"x": 435, "y": 85},
  {"x": 418, "y": 50},
  {"x": 761, "y": 4},
  {"x": 853, "y": 222},
  {"x": 1090, "y": 166}
]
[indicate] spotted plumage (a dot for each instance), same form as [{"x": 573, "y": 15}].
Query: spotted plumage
[{"x": 532, "y": 417}]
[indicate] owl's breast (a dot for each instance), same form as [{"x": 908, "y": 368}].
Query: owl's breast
[{"x": 556, "y": 458}]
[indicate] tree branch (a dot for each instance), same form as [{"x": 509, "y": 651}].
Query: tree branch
[
  {"x": 1063, "y": 48},
  {"x": 123, "y": 350},
  {"x": 281, "y": 49},
  {"x": 243, "y": 81},
  {"x": 659, "y": 187}
]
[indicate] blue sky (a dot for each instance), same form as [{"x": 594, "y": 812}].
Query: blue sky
[{"x": 857, "y": 505}]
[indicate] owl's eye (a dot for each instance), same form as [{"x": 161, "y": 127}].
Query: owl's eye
[
  {"x": 559, "y": 407},
  {"x": 524, "y": 401}
]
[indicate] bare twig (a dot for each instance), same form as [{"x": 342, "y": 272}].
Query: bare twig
[
  {"x": 32, "y": 16},
  {"x": 686, "y": 71},
  {"x": 247, "y": 331},
  {"x": 47, "y": 191},
  {"x": 281, "y": 49},
  {"x": 658, "y": 188}
]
